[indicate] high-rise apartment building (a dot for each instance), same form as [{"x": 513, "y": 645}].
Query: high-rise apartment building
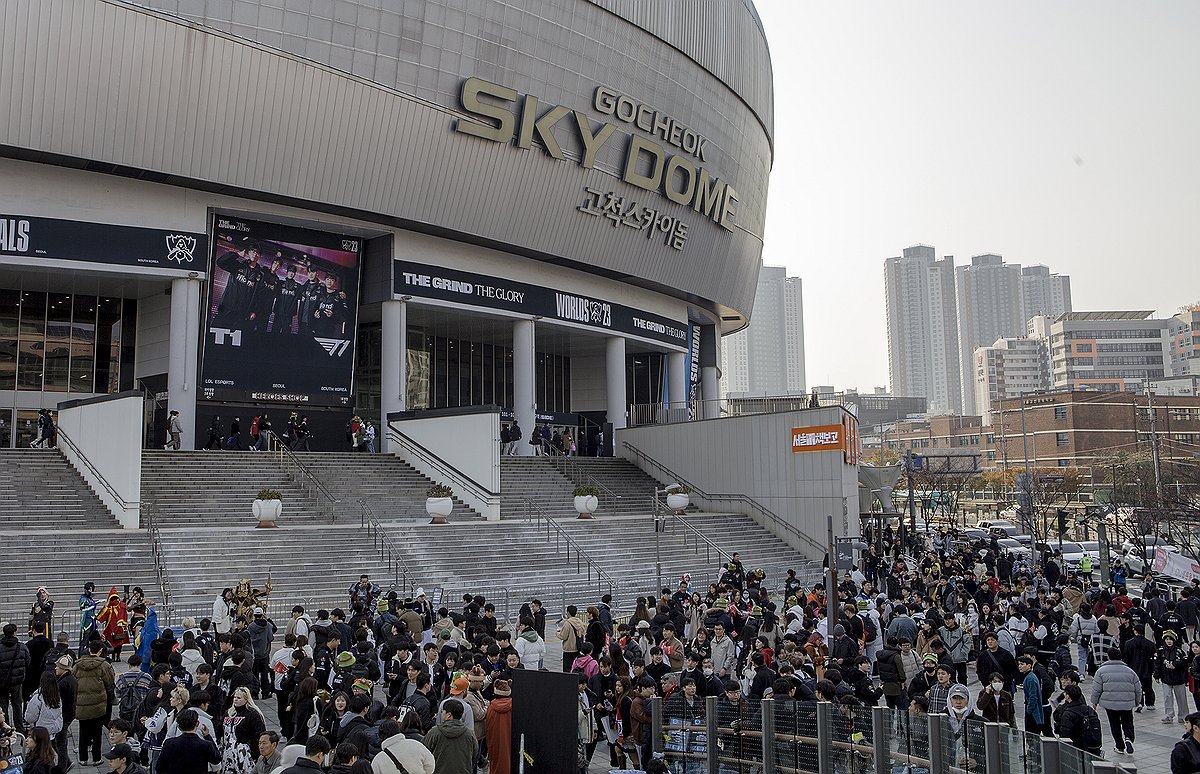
[
  {"x": 922, "y": 320},
  {"x": 1043, "y": 293},
  {"x": 1006, "y": 369},
  {"x": 767, "y": 358},
  {"x": 989, "y": 296},
  {"x": 1184, "y": 330}
]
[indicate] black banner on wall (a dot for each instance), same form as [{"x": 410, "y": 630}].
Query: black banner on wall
[
  {"x": 282, "y": 315},
  {"x": 414, "y": 279},
  {"x": 74, "y": 240}
]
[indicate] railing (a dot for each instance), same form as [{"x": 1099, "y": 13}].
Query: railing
[
  {"x": 387, "y": 548},
  {"x": 670, "y": 413},
  {"x": 577, "y": 473},
  {"x": 444, "y": 469},
  {"x": 583, "y": 562},
  {"x": 300, "y": 473},
  {"x": 82, "y": 459},
  {"x": 149, "y": 511},
  {"x": 745, "y": 500},
  {"x": 778, "y": 737},
  {"x": 694, "y": 535}
]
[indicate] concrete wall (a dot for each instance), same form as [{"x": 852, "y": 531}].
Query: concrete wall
[
  {"x": 467, "y": 439},
  {"x": 105, "y": 441},
  {"x": 153, "y": 334},
  {"x": 752, "y": 456}
]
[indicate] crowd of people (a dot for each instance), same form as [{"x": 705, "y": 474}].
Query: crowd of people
[{"x": 395, "y": 683}]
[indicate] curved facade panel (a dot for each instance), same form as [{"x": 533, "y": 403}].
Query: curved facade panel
[{"x": 347, "y": 106}]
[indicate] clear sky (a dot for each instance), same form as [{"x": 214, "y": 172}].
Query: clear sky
[{"x": 1061, "y": 132}]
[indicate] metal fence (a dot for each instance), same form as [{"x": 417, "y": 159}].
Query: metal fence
[{"x": 714, "y": 736}]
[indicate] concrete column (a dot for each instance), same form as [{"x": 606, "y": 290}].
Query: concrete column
[
  {"x": 524, "y": 397},
  {"x": 710, "y": 386},
  {"x": 394, "y": 364},
  {"x": 614, "y": 370},
  {"x": 182, "y": 355},
  {"x": 677, "y": 379}
]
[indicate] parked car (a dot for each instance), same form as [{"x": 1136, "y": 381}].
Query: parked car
[
  {"x": 1012, "y": 546},
  {"x": 1136, "y": 562},
  {"x": 1146, "y": 542},
  {"x": 989, "y": 524}
]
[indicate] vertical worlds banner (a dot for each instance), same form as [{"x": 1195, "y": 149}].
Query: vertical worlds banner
[{"x": 282, "y": 314}]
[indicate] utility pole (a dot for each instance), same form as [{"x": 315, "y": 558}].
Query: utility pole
[
  {"x": 1028, "y": 503},
  {"x": 912, "y": 500},
  {"x": 831, "y": 597},
  {"x": 1158, "y": 491}
]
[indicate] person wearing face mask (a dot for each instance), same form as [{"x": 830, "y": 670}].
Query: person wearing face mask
[
  {"x": 995, "y": 702},
  {"x": 963, "y": 721},
  {"x": 919, "y": 685}
]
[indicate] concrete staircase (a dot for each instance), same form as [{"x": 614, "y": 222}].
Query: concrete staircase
[
  {"x": 511, "y": 559},
  {"x": 62, "y": 561},
  {"x": 545, "y": 481},
  {"x": 393, "y": 489},
  {"x": 40, "y": 490},
  {"x": 216, "y": 489}
]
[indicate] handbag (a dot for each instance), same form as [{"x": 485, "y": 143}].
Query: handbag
[{"x": 314, "y": 720}]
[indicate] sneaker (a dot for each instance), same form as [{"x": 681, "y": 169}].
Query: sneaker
[
  {"x": 1138, "y": 709},
  {"x": 1167, "y": 719},
  {"x": 1128, "y": 747},
  {"x": 1119, "y": 750}
]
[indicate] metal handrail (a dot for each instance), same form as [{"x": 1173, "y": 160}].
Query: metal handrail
[
  {"x": 535, "y": 513},
  {"x": 160, "y": 572},
  {"x": 766, "y": 513},
  {"x": 387, "y": 548},
  {"x": 697, "y": 536},
  {"x": 83, "y": 458},
  {"x": 444, "y": 468},
  {"x": 292, "y": 464},
  {"x": 574, "y": 471}
]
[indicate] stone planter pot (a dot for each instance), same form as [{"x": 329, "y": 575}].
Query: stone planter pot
[
  {"x": 267, "y": 512},
  {"x": 438, "y": 509},
  {"x": 677, "y": 501},
  {"x": 586, "y": 505}
]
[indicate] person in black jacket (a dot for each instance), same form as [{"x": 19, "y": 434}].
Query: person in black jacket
[
  {"x": 188, "y": 753},
  {"x": 1185, "y": 757},
  {"x": 891, "y": 673},
  {"x": 14, "y": 661},
  {"x": 1171, "y": 668},
  {"x": 356, "y": 731},
  {"x": 1139, "y": 652},
  {"x": 993, "y": 658},
  {"x": 1076, "y": 721}
]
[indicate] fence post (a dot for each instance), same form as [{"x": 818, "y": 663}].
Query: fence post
[
  {"x": 768, "y": 735},
  {"x": 991, "y": 746},
  {"x": 710, "y": 729},
  {"x": 880, "y": 736},
  {"x": 825, "y": 737},
  {"x": 656, "y": 725},
  {"x": 937, "y": 730},
  {"x": 1049, "y": 753}
]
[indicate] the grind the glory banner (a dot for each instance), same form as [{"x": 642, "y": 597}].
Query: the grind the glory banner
[
  {"x": 73, "y": 240},
  {"x": 414, "y": 279},
  {"x": 282, "y": 314}
]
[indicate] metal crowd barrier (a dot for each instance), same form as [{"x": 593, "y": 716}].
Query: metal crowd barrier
[{"x": 713, "y": 736}]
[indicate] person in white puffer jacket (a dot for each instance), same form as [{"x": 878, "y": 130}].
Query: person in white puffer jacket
[{"x": 45, "y": 706}]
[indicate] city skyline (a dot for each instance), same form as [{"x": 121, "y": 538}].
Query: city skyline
[{"x": 1077, "y": 154}]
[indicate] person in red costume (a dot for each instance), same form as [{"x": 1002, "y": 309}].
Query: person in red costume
[{"x": 114, "y": 622}]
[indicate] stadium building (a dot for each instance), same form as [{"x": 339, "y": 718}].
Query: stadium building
[{"x": 337, "y": 206}]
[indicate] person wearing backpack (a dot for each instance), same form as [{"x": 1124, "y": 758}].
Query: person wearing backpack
[{"x": 1076, "y": 721}]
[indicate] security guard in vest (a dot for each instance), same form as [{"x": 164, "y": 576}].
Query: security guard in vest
[{"x": 1086, "y": 563}]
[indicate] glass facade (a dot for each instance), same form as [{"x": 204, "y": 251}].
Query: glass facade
[
  {"x": 58, "y": 342},
  {"x": 446, "y": 372}
]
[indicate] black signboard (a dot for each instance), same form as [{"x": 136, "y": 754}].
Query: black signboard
[
  {"x": 413, "y": 279},
  {"x": 282, "y": 314},
  {"x": 73, "y": 240}
]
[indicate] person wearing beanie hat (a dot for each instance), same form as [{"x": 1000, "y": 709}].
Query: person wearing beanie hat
[
  {"x": 340, "y": 677},
  {"x": 1171, "y": 667}
]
